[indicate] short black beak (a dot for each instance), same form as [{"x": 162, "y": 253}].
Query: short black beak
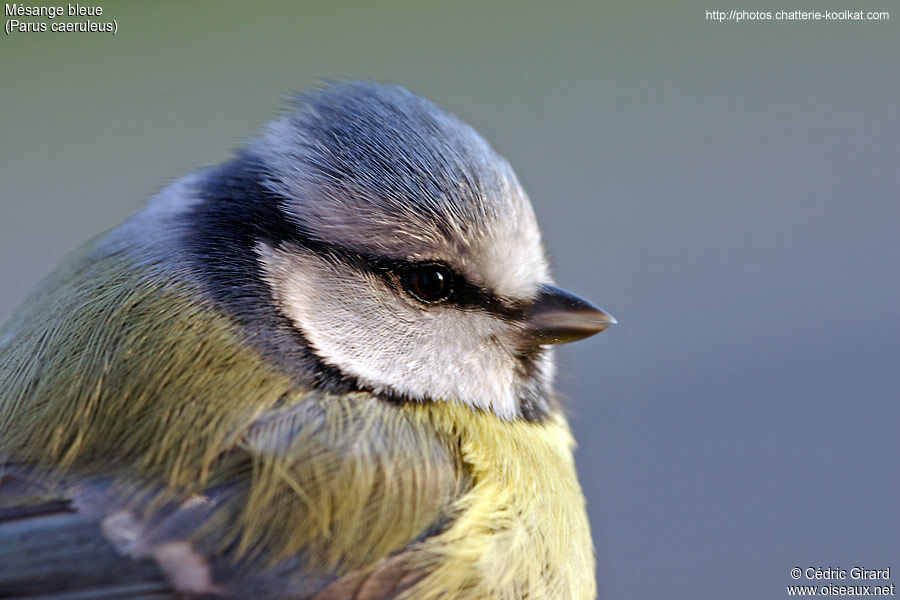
[{"x": 558, "y": 317}]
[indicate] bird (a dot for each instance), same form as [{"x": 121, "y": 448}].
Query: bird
[{"x": 321, "y": 369}]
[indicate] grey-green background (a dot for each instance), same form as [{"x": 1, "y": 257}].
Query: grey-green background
[{"x": 729, "y": 191}]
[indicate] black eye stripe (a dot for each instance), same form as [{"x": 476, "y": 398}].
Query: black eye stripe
[
  {"x": 468, "y": 296},
  {"x": 465, "y": 294}
]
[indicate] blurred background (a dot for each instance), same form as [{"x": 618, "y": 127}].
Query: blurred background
[{"x": 729, "y": 191}]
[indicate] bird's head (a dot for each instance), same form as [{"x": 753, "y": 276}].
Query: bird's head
[
  {"x": 392, "y": 242},
  {"x": 420, "y": 271}
]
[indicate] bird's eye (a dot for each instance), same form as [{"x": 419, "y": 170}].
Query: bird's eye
[{"x": 428, "y": 283}]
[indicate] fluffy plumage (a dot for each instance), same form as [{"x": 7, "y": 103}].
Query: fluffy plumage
[{"x": 231, "y": 394}]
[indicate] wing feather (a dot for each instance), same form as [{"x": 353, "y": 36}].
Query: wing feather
[{"x": 316, "y": 499}]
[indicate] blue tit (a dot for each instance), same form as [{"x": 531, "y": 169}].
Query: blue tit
[{"x": 322, "y": 369}]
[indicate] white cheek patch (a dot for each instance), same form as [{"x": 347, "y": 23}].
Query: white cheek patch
[{"x": 356, "y": 323}]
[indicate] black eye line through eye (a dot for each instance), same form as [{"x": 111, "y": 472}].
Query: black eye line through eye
[{"x": 465, "y": 294}]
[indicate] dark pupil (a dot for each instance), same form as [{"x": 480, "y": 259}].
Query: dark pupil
[{"x": 428, "y": 283}]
